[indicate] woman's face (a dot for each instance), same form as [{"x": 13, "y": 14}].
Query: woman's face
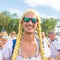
[{"x": 30, "y": 23}]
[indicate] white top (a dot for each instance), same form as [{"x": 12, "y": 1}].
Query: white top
[
  {"x": 7, "y": 53},
  {"x": 55, "y": 48},
  {"x": 37, "y": 57},
  {"x": 0, "y": 54},
  {"x": 7, "y": 50},
  {"x": 33, "y": 58},
  {"x": 46, "y": 48}
]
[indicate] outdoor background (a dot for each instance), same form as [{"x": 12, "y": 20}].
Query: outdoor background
[{"x": 11, "y": 11}]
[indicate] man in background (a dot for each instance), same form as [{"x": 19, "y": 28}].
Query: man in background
[{"x": 54, "y": 46}]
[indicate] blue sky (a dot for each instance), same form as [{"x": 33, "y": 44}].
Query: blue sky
[{"x": 46, "y": 8}]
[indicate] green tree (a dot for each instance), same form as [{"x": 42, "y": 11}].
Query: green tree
[
  {"x": 48, "y": 24},
  {"x": 2, "y": 22},
  {"x": 9, "y": 20},
  {"x": 13, "y": 25}
]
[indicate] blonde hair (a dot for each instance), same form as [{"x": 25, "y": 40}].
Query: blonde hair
[{"x": 20, "y": 34}]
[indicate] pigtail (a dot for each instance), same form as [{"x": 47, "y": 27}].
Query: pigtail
[
  {"x": 20, "y": 33},
  {"x": 15, "y": 53},
  {"x": 40, "y": 40}
]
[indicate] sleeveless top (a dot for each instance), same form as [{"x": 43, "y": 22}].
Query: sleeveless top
[
  {"x": 32, "y": 58},
  {"x": 7, "y": 52},
  {"x": 36, "y": 57}
]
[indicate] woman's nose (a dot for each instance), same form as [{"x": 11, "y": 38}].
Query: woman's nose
[{"x": 30, "y": 22}]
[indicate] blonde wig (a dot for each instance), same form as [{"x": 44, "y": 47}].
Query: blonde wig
[{"x": 15, "y": 53}]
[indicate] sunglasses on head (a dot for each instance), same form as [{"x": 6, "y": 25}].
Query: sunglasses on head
[{"x": 27, "y": 19}]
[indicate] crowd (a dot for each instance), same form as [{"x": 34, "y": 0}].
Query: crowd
[
  {"x": 51, "y": 44},
  {"x": 28, "y": 45},
  {"x": 4, "y": 39}
]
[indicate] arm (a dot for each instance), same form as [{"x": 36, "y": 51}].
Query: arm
[
  {"x": 50, "y": 59},
  {"x": 58, "y": 56},
  {"x": 5, "y": 59}
]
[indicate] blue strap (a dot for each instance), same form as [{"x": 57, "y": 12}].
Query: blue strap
[
  {"x": 14, "y": 42},
  {"x": 37, "y": 39}
]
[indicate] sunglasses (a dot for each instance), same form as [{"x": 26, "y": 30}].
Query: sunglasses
[{"x": 27, "y": 19}]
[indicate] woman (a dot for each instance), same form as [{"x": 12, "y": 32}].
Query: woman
[{"x": 27, "y": 47}]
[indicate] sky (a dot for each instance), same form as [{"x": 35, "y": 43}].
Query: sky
[{"x": 46, "y": 8}]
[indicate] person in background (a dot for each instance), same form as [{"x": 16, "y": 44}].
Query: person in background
[
  {"x": 13, "y": 35},
  {"x": 5, "y": 35},
  {"x": 44, "y": 37},
  {"x": 13, "y": 38},
  {"x": 1, "y": 57},
  {"x": 46, "y": 44},
  {"x": 2, "y": 44},
  {"x": 2, "y": 40},
  {"x": 55, "y": 46}
]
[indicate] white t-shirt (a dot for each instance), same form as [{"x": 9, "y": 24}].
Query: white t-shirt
[{"x": 55, "y": 46}]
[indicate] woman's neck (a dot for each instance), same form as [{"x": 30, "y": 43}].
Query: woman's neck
[{"x": 28, "y": 38}]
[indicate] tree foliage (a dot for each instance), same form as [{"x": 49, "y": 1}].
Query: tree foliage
[
  {"x": 8, "y": 22},
  {"x": 13, "y": 25},
  {"x": 48, "y": 24}
]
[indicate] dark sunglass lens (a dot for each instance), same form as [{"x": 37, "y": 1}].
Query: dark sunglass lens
[
  {"x": 26, "y": 19},
  {"x": 34, "y": 20}
]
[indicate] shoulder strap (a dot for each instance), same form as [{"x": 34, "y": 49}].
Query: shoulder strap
[
  {"x": 37, "y": 39},
  {"x": 14, "y": 42}
]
